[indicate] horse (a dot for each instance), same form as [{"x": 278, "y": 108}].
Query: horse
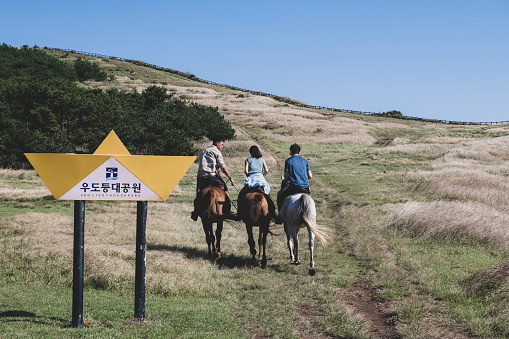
[
  {"x": 299, "y": 211},
  {"x": 213, "y": 206},
  {"x": 255, "y": 210}
]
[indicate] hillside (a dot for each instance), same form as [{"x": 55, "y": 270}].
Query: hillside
[{"x": 418, "y": 213}]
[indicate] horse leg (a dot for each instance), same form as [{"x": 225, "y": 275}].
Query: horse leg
[
  {"x": 296, "y": 248},
  {"x": 250, "y": 241},
  {"x": 209, "y": 237},
  {"x": 289, "y": 244},
  {"x": 262, "y": 241},
  {"x": 219, "y": 230},
  {"x": 311, "y": 248}
]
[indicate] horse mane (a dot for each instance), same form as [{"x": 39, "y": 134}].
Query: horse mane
[{"x": 309, "y": 217}]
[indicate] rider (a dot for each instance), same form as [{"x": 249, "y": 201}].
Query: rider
[
  {"x": 255, "y": 169},
  {"x": 211, "y": 159},
  {"x": 296, "y": 177}
]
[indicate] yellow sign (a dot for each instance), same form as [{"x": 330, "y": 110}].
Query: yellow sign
[{"x": 111, "y": 173}]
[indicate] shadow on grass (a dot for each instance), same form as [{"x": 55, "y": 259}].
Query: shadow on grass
[
  {"x": 21, "y": 316},
  {"x": 230, "y": 261}
]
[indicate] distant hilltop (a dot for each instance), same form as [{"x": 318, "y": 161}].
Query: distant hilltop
[{"x": 391, "y": 114}]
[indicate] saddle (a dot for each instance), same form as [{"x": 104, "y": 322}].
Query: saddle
[
  {"x": 246, "y": 190},
  {"x": 257, "y": 189}
]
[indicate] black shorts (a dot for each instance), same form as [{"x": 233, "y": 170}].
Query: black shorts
[{"x": 202, "y": 183}]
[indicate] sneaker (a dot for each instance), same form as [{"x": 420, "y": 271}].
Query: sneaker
[{"x": 194, "y": 215}]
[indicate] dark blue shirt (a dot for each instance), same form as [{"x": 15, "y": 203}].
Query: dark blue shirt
[{"x": 297, "y": 167}]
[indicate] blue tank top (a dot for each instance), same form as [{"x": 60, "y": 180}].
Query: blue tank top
[{"x": 255, "y": 165}]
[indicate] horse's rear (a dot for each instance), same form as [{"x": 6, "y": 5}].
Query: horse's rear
[
  {"x": 254, "y": 210},
  {"x": 213, "y": 207},
  {"x": 299, "y": 211},
  {"x": 213, "y": 204}
]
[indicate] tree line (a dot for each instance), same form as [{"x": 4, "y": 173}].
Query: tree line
[{"x": 43, "y": 109}]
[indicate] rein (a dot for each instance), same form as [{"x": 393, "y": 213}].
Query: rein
[{"x": 231, "y": 200}]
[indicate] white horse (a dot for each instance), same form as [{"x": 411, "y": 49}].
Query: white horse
[{"x": 299, "y": 211}]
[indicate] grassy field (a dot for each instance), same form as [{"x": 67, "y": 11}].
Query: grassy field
[{"x": 418, "y": 214}]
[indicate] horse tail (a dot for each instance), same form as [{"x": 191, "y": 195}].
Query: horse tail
[
  {"x": 309, "y": 216},
  {"x": 259, "y": 207}
]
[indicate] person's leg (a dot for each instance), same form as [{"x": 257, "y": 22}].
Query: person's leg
[
  {"x": 279, "y": 199},
  {"x": 272, "y": 207},
  {"x": 194, "y": 213}
]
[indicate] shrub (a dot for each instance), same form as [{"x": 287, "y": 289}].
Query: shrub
[{"x": 86, "y": 70}]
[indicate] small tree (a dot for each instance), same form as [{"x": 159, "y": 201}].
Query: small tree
[
  {"x": 394, "y": 114},
  {"x": 86, "y": 70}
]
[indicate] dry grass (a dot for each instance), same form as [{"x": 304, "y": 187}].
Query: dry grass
[
  {"x": 174, "y": 243},
  {"x": 474, "y": 171},
  {"x": 21, "y": 184},
  {"x": 469, "y": 185},
  {"x": 415, "y": 149},
  {"x": 492, "y": 285},
  {"x": 455, "y": 221},
  {"x": 490, "y": 281}
]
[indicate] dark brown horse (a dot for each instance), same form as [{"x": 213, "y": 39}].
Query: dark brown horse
[
  {"x": 255, "y": 210},
  {"x": 213, "y": 206}
]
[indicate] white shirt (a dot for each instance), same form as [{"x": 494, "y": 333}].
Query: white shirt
[{"x": 210, "y": 159}]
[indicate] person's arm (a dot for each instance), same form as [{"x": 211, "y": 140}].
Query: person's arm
[
  {"x": 225, "y": 170},
  {"x": 246, "y": 168},
  {"x": 286, "y": 173},
  {"x": 310, "y": 175},
  {"x": 222, "y": 165},
  {"x": 265, "y": 168}
]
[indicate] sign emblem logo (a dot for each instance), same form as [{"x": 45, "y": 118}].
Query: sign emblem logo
[{"x": 111, "y": 173}]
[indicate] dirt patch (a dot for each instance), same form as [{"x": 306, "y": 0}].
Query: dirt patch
[
  {"x": 307, "y": 312},
  {"x": 258, "y": 333},
  {"x": 377, "y": 314}
]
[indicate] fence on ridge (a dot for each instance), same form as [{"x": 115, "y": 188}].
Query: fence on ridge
[{"x": 275, "y": 97}]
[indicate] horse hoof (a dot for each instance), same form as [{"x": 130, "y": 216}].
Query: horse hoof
[
  {"x": 218, "y": 256},
  {"x": 312, "y": 271}
]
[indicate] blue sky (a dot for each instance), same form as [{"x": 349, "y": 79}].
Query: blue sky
[{"x": 446, "y": 59}]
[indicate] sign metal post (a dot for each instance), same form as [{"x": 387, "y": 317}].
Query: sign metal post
[
  {"x": 141, "y": 248},
  {"x": 78, "y": 263}
]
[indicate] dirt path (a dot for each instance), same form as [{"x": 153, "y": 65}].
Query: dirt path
[
  {"x": 376, "y": 314},
  {"x": 381, "y": 319}
]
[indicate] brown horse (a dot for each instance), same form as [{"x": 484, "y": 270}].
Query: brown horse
[
  {"x": 213, "y": 206},
  {"x": 255, "y": 210}
]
